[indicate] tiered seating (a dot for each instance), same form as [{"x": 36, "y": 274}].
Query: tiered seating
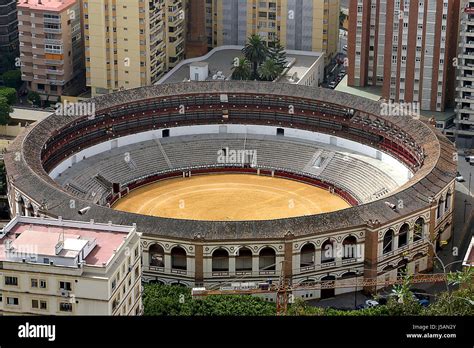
[
  {"x": 357, "y": 177},
  {"x": 90, "y": 177}
]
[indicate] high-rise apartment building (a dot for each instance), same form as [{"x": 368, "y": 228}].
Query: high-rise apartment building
[
  {"x": 51, "y": 46},
  {"x": 8, "y": 26},
  {"x": 465, "y": 76},
  {"x": 308, "y": 25},
  {"x": 407, "y": 47},
  {"x": 131, "y": 43},
  {"x": 197, "y": 38}
]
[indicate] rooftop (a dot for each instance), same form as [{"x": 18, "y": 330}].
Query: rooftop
[
  {"x": 221, "y": 59},
  {"x": 371, "y": 92},
  {"x": 40, "y": 237},
  {"x": 45, "y": 5}
]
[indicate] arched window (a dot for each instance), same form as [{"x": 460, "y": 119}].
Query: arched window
[
  {"x": 243, "y": 260},
  {"x": 157, "y": 255},
  {"x": 220, "y": 261},
  {"x": 349, "y": 245},
  {"x": 439, "y": 210},
  {"x": 348, "y": 275},
  {"x": 21, "y": 204},
  {"x": 388, "y": 242},
  {"x": 307, "y": 255},
  {"x": 178, "y": 258},
  {"x": 447, "y": 202},
  {"x": 328, "y": 252},
  {"x": 267, "y": 259},
  {"x": 418, "y": 232},
  {"x": 403, "y": 235}
]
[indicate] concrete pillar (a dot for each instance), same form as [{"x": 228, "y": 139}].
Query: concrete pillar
[
  {"x": 167, "y": 263},
  {"x": 145, "y": 258},
  {"x": 288, "y": 259},
  {"x": 371, "y": 255},
  {"x": 317, "y": 257},
  {"x": 232, "y": 264},
  {"x": 431, "y": 236},
  {"x": 255, "y": 270}
]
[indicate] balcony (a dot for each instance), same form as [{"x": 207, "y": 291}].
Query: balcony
[
  {"x": 53, "y": 42},
  {"x": 52, "y": 20},
  {"x": 328, "y": 264},
  {"x": 243, "y": 273},
  {"x": 347, "y": 261},
  {"x": 155, "y": 269},
  {"x": 52, "y": 30},
  {"x": 220, "y": 274},
  {"x": 55, "y": 72},
  {"x": 56, "y": 82},
  {"x": 54, "y": 62},
  {"x": 179, "y": 271}
]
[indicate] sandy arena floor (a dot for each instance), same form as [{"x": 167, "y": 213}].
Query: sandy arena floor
[{"x": 225, "y": 197}]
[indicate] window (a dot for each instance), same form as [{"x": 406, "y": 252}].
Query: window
[
  {"x": 43, "y": 305},
  {"x": 65, "y": 307},
  {"x": 42, "y": 284},
  {"x": 11, "y": 281},
  {"x": 34, "y": 283},
  {"x": 35, "y": 304},
  {"x": 13, "y": 301},
  {"x": 65, "y": 286}
]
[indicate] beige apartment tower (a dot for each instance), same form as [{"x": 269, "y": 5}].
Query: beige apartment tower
[
  {"x": 64, "y": 267},
  {"x": 51, "y": 47},
  {"x": 131, "y": 43},
  {"x": 307, "y": 25}
]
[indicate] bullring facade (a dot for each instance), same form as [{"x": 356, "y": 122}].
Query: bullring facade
[{"x": 64, "y": 164}]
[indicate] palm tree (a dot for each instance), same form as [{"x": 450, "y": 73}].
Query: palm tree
[
  {"x": 241, "y": 70},
  {"x": 269, "y": 70},
  {"x": 256, "y": 52}
]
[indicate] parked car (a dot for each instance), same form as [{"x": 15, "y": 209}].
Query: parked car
[
  {"x": 371, "y": 303},
  {"x": 332, "y": 85},
  {"x": 344, "y": 47},
  {"x": 459, "y": 177}
]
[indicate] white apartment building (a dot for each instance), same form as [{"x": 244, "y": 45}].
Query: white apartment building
[{"x": 61, "y": 267}]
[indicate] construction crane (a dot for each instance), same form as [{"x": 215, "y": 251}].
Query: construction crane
[{"x": 283, "y": 288}]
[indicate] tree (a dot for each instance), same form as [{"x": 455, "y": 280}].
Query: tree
[
  {"x": 34, "y": 98},
  {"x": 256, "y": 52},
  {"x": 12, "y": 78},
  {"x": 402, "y": 291},
  {"x": 278, "y": 54},
  {"x": 241, "y": 70},
  {"x": 177, "y": 300},
  {"x": 5, "y": 110},
  {"x": 9, "y": 94},
  {"x": 269, "y": 70}
]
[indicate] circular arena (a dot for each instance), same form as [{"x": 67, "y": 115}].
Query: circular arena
[{"x": 245, "y": 181}]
